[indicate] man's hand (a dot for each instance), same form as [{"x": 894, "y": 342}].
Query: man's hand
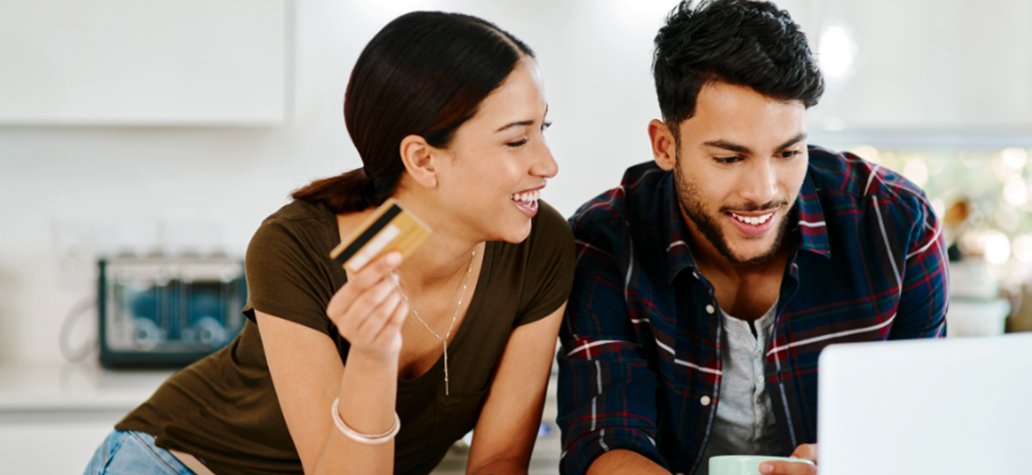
[{"x": 805, "y": 452}]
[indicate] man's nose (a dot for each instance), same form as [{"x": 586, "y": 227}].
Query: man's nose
[{"x": 760, "y": 184}]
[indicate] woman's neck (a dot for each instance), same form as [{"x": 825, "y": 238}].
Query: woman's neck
[{"x": 444, "y": 256}]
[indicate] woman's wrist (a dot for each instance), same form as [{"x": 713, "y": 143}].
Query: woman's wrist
[
  {"x": 367, "y": 378},
  {"x": 367, "y": 392},
  {"x": 372, "y": 361}
]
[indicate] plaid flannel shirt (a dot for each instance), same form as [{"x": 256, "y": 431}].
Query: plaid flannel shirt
[{"x": 640, "y": 363}]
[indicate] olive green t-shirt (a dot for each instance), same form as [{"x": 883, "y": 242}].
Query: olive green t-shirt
[{"x": 224, "y": 410}]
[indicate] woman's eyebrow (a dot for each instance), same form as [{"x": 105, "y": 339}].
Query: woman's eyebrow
[
  {"x": 515, "y": 124},
  {"x": 521, "y": 123}
]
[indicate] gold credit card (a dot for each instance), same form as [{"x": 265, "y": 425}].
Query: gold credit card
[{"x": 390, "y": 228}]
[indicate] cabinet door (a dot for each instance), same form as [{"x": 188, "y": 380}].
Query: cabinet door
[
  {"x": 930, "y": 64},
  {"x": 157, "y": 62},
  {"x": 53, "y": 442}
]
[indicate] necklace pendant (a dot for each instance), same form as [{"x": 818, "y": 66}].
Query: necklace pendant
[{"x": 444, "y": 341}]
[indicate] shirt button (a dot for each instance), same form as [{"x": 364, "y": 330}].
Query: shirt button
[
  {"x": 709, "y": 309},
  {"x": 761, "y": 379},
  {"x": 705, "y": 400}
]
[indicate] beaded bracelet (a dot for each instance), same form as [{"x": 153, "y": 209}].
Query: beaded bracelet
[{"x": 363, "y": 438}]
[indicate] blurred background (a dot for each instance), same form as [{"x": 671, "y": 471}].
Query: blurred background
[{"x": 142, "y": 143}]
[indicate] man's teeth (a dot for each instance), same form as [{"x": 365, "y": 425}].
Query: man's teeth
[
  {"x": 526, "y": 196},
  {"x": 755, "y": 221}
]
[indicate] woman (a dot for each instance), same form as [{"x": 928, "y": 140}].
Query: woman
[{"x": 447, "y": 112}]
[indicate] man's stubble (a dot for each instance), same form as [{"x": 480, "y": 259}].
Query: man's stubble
[{"x": 692, "y": 206}]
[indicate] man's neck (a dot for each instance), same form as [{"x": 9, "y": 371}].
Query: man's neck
[
  {"x": 745, "y": 291},
  {"x": 708, "y": 257}
]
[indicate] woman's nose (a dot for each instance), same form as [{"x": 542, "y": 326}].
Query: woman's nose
[{"x": 544, "y": 164}]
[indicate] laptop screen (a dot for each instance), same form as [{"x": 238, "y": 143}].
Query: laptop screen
[{"x": 951, "y": 406}]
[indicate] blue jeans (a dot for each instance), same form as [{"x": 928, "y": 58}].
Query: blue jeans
[{"x": 124, "y": 453}]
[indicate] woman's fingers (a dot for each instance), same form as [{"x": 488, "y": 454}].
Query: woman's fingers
[
  {"x": 363, "y": 305},
  {"x": 392, "y": 329},
  {"x": 368, "y": 309},
  {"x": 370, "y": 276},
  {"x": 377, "y": 317}
]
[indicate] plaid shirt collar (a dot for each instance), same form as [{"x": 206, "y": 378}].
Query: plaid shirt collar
[{"x": 810, "y": 233}]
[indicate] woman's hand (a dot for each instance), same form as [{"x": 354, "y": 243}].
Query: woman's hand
[{"x": 369, "y": 310}]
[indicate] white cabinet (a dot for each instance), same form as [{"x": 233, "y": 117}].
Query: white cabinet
[
  {"x": 927, "y": 64},
  {"x": 142, "y": 62},
  {"x": 53, "y": 418},
  {"x": 53, "y": 442}
]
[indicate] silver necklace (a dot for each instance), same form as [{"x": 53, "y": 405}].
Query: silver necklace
[{"x": 444, "y": 340}]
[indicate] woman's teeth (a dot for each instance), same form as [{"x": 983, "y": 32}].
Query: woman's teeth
[
  {"x": 753, "y": 220},
  {"x": 526, "y": 196}
]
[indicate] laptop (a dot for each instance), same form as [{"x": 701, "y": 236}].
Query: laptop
[{"x": 943, "y": 407}]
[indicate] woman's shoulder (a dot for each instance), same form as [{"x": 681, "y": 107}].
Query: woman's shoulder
[
  {"x": 550, "y": 240},
  {"x": 549, "y": 229},
  {"x": 289, "y": 270},
  {"x": 546, "y": 262},
  {"x": 298, "y": 222},
  {"x": 298, "y": 237},
  {"x": 301, "y": 213}
]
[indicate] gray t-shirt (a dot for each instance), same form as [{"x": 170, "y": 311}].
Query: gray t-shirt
[{"x": 744, "y": 423}]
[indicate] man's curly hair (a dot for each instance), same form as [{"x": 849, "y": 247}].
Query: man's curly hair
[{"x": 739, "y": 42}]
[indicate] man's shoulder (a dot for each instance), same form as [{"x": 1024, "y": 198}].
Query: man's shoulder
[
  {"x": 844, "y": 173},
  {"x": 636, "y": 200}
]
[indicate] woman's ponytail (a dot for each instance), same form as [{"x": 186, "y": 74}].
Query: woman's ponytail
[{"x": 347, "y": 193}]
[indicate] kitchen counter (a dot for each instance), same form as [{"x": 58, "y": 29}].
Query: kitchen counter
[
  {"x": 53, "y": 417},
  {"x": 74, "y": 387},
  {"x": 74, "y": 406}
]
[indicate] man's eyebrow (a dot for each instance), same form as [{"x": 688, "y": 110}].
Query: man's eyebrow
[
  {"x": 733, "y": 147},
  {"x": 728, "y": 146},
  {"x": 793, "y": 141},
  {"x": 520, "y": 123}
]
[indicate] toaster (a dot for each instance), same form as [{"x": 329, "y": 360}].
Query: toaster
[{"x": 167, "y": 312}]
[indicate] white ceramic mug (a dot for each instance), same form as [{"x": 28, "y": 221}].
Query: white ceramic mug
[{"x": 744, "y": 464}]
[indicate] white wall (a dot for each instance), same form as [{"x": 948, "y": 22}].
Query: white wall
[
  {"x": 89, "y": 188},
  {"x": 97, "y": 187},
  {"x": 110, "y": 62}
]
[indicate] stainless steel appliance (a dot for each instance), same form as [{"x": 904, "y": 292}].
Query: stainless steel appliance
[{"x": 167, "y": 312}]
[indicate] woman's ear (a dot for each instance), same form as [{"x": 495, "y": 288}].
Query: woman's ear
[
  {"x": 663, "y": 145},
  {"x": 418, "y": 157}
]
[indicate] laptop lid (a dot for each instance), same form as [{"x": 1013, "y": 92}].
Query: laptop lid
[{"x": 951, "y": 406}]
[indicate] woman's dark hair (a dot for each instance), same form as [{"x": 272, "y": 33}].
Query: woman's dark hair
[
  {"x": 425, "y": 74},
  {"x": 740, "y": 42}
]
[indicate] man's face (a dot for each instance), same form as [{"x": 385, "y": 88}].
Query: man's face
[{"x": 739, "y": 164}]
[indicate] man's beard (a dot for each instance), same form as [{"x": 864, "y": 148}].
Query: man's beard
[{"x": 692, "y": 205}]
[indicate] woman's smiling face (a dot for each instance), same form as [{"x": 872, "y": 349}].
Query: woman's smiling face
[{"x": 492, "y": 172}]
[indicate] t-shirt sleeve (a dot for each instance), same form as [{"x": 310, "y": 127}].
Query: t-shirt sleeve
[
  {"x": 550, "y": 265},
  {"x": 284, "y": 278}
]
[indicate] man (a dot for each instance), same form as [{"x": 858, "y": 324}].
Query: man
[{"x": 709, "y": 281}]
